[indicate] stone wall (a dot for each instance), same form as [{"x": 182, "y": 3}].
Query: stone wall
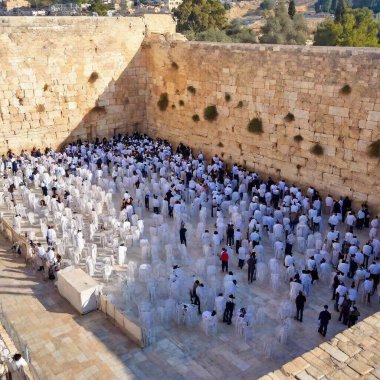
[
  {"x": 68, "y": 77},
  {"x": 270, "y": 82}
]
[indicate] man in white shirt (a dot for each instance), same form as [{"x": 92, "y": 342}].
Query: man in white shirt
[
  {"x": 41, "y": 255},
  {"x": 333, "y": 220},
  {"x": 238, "y": 236},
  {"x": 242, "y": 256},
  {"x": 329, "y": 202},
  {"x": 350, "y": 222},
  {"x": 341, "y": 291},
  {"x": 51, "y": 236}
]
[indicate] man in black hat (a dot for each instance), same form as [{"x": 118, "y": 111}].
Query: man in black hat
[
  {"x": 229, "y": 310},
  {"x": 324, "y": 318}
]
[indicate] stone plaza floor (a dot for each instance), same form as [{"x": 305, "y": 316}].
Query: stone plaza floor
[{"x": 65, "y": 345}]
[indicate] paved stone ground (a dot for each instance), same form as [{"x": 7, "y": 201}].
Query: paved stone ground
[
  {"x": 65, "y": 345},
  {"x": 352, "y": 354}
]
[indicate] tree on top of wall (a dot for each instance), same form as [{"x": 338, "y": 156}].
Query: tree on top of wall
[
  {"x": 356, "y": 28},
  {"x": 280, "y": 28},
  {"x": 99, "y": 7},
  {"x": 292, "y": 9},
  {"x": 200, "y": 15}
]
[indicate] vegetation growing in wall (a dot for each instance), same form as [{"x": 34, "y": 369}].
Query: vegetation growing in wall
[
  {"x": 317, "y": 149},
  {"x": 195, "y": 118},
  {"x": 227, "y": 97},
  {"x": 46, "y": 87},
  {"x": 175, "y": 66},
  {"x": 220, "y": 145},
  {"x": 298, "y": 138},
  {"x": 181, "y": 103},
  {"x": 240, "y": 104},
  {"x": 40, "y": 108},
  {"x": 173, "y": 106},
  {"x": 346, "y": 89},
  {"x": 99, "y": 109},
  {"x": 289, "y": 117},
  {"x": 163, "y": 102},
  {"x": 255, "y": 126},
  {"x": 93, "y": 77},
  {"x": 373, "y": 149},
  {"x": 210, "y": 113},
  {"x": 191, "y": 89}
]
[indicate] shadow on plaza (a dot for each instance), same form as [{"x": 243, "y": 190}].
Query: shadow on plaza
[{"x": 23, "y": 282}]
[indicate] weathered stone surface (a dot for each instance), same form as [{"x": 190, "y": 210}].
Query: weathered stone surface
[
  {"x": 343, "y": 357},
  {"x": 46, "y": 96},
  {"x": 272, "y": 85},
  {"x": 54, "y": 71}
]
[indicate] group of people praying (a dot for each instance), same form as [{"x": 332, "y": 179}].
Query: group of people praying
[{"x": 273, "y": 230}]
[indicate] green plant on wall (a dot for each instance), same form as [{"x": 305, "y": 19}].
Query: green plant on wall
[
  {"x": 255, "y": 126},
  {"x": 99, "y": 109},
  {"x": 373, "y": 149},
  {"x": 289, "y": 117},
  {"x": 93, "y": 77},
  {"x": 175, "y": 66},
  {"x": 191, "y": 89},
  {"x": 227, "y": 97},
  {"x": 210, "y": 113},
  {"x": 163, "y": 102},
  {"x": 317, "y": 149},
  {"x": 298, "y": 138},
  {"x": 240, "y": 104},
  {"x": 346, "y": 89},
  {"x": 220, "y": 145},
  {"x": 40, "y": 108},
  {"x": 195, "y": 118},
  {"x": 181, "y": 103}
]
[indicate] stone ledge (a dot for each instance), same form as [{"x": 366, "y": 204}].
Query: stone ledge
[{"x": 349, "y": 355}]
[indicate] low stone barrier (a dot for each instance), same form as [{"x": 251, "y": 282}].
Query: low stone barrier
[{"x": 129, "y": 328}]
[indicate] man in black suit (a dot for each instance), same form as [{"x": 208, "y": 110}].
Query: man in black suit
[
  {"x": 229, "y": 310},
  {"x": 300, "y": 304},
  {"x": 324, "y": 318}
]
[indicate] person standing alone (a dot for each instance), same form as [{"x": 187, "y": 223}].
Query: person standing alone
[
  {"x": 324, "y": 318},
  {"x": 300, "y": 304},
  {"x": 251, "y": 262},
  {"x": 182, "y": 234}
]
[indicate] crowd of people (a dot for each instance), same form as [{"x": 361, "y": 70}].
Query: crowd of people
[{"x": 312, "y": 239}]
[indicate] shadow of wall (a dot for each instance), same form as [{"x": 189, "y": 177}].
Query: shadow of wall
[{"x": 67, "y": 78}]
